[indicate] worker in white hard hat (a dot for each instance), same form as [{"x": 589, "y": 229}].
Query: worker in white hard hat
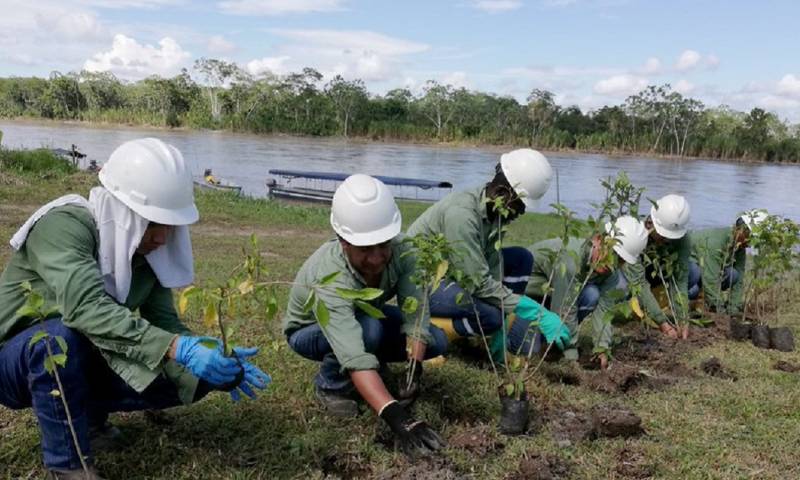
[
  {"x": 719, "y": 261},
  {"x": 666, "y": 265},
  {"x": 472, "y": 222},
  {"x": 93, "y": 263},
  {"x": 353, "y": 344},
  {"x": 600, "y": 262}
]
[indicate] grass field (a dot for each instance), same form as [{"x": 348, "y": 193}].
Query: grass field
[{"x": 696, "y": 426}]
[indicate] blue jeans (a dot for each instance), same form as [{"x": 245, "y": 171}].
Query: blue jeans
[
  {"x": 517, "y": 268},
  {"x": 92, "y": 389},
  {"x": 730, "y": 276},
  {"x": 382, "y": 338}
]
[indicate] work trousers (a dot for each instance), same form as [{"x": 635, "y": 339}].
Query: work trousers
[
  {"x": 91, "y": 388},
  {"x": 383, "y": 338},
  {"x": 470, "y": 319}
]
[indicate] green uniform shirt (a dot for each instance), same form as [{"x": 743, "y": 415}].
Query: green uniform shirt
[
  {"x": 343, "y": 330},
  {"x": 59, "y": 259},
  {"x": 566, "y": 281},
  {"x": 712, "y": 250},
  {"x": 462, "y": 218},
  {"x": 678, "y": 284}
]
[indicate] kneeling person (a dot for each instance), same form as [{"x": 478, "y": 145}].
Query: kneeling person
[{"x": 368, "y": 253}]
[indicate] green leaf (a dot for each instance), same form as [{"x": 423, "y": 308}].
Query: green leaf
[
  {"x": 328, "y": 279},
  {"x": 322, "y": 314},
  {"x": 209, "y": 343},
  {"x": 210, "y": 314},
  {"x": 62, "y": 344},
  {"x": 410, "y": 305},
  {"x": 27, "y": 311},
  {"x": 498, "y": 245},
  {"x": 312, "y": 298},
  {"x": 509, "y": 390},
  {"x": 370, "y": 310},
  {"x": 272, "y": 308},
  {"x": 459, "y": 298},
  {"x": 48, "y": 364},
  {"x": 55, "y": 393},
  {"x": 60, "y": 359},
  {"x": 36, "y": 337},
  {"x": 361, "y": 294}
]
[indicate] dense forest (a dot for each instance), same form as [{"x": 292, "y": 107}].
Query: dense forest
[{"x": 220, "y": 95}]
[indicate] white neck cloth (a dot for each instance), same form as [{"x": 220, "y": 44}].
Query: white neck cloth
[{"x": 120, "y": 230}]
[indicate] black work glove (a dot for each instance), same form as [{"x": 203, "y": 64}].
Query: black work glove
[
  {"x": 408, "y": 392},
  {"x": 414, "y": 437}
]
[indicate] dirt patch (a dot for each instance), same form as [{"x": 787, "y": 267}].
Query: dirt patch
[
  {"x": 713, "y": 367},
  {"x": 609, "y": 420},
  {"x": 480, "y": 440},
  {"x": 430, "y": 468},
  {"x": 624, "y": 378},
  {"x": 784, "y": 366},
  {"x": 631, "y": 463},
  {"x": 541, "y": 466},
  {"x": 566, "y": 373},
  {"x": 569, "y": 427}
]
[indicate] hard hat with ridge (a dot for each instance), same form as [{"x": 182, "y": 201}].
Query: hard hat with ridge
[
  {"x": 631, "y": 235},
  {"x": 671, "y": 217},
  {"x": 529, "y": 173},
  {"x": 363, "y": 211},
  {"x": 151, "y": 178}
]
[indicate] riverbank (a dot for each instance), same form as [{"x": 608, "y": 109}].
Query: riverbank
[
  {"x": 695, "y": 425},
  {"x": 495, "y": 148}
]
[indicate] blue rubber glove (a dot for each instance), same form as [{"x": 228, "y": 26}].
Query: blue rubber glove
[
  {"x": 550, "y": 324},
  {"x": 253, "y": 376},
  {"x": 208, "y": 364}
]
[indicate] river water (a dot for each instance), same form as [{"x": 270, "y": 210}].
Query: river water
[{"x": 717, "y": 191}]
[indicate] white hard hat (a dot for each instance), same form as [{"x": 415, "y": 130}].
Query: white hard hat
[
  {"x": 753, "y": 217},
  {"x": 364, "y": 212},
  {"x": 671, "y": 216},
  {"x": 632, "y": 236},
  {"x": 151, "y": 178},
  {"x": 529, "y": 172}
]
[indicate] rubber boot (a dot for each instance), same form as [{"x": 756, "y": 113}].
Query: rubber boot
[{"x": 446, "y": 324}]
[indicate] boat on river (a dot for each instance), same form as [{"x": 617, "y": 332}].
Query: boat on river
[
  {"x": 320, "y": 186},
  {"x": 222, "y": 186}
]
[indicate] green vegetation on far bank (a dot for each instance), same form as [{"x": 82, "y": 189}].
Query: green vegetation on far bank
[
  {"x": 697, "y": 426},
  {"x": 221, "y": 95}
]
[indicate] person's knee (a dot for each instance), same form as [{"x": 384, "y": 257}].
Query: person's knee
[
  {"x": 372, "y": 331},
  {"x": 438, "y": 344},
  {"x": 694, "y": 274},
  {"x": 490, "y": 319},
  {"x": 589, "y": 297},
  {"x": 517, "y": 261}
]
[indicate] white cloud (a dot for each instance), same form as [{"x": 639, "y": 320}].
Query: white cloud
[
  {"x": 651, "y": 66},
  {"x": 683, "y": 87},
  {"x": 625, "y": 84},
  {"x": 367, "y": 55},
  {"x": 276, "y": 65},
  {"x": 559, "y": 3},
  {"x": 496, "y": 6},
  {"x": 789, "y": 85},
  {"x": 278, "y": 7},
  {"x": 217, "y": 44},
  {"x": 75, "y": 26},
  {"x": 128, "y": 59},
  {"x": 692, "y": 59},
  {"x": 120, "y": 4},
  {"x": 456, "y": 79}
]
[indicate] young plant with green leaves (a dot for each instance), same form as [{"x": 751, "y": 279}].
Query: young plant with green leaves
[
  {"x": 775, "y": 242},
  {"x": 34, "y": 308}
]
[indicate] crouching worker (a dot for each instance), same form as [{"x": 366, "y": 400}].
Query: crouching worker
[
  {"x": 96, "y": 263},
  {"x": 719, "y": 261},
  {"x": 469, "y": 221},
  {"x": 599, "y": 267},
  {"x": 352, "y": 345}
]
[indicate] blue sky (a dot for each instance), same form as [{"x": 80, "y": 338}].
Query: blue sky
[{"x": 588, "y": 52}]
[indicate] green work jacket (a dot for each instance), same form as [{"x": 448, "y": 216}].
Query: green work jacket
[
  {"x": 59, "y": 259},
  {"x": 463, "y": 219},
  {"x": 343, "y": 331},
  {"x": 713, "y": 251},
  {"x": 678, "y": 283},
  {"x": 566, "y": 282}
]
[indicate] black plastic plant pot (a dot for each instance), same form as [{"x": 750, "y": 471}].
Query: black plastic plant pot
[
  {"x": 760, "y": 336},
  {"x": 513, "y": 415},
  {"x": 227, "y": 387},
  {"x": 740, "y": 330},
  {"x": 782, "y": 339}
]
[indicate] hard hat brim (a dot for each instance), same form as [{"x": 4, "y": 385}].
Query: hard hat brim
[
  {"x": 372, "y": 238},
  {"x": 667, "y": 233},
  {"x": 185, "y": 216},
  {"x": 625, "y": 255},
  {"x": 531, "y": 204}
]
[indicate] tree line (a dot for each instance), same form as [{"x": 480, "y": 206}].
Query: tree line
[{"x": 221, "y": 95}]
